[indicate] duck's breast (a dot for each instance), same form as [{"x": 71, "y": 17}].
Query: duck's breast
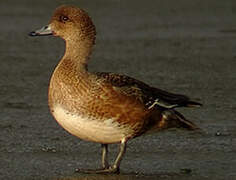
[{"x": 89, "y": 128}]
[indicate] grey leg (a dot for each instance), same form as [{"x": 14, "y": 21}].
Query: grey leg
[
  {"x": 108, "y": 169},
  {"x": 122, "y": 151},
  {"x": 105, "y": 164}
]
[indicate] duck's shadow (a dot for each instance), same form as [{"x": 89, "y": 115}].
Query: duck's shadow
[{"x": 123, "y": 176}]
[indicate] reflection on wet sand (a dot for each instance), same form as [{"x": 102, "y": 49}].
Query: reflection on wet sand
[
  {"x": 102, "y": 177},
  {"x": 133, "y": 176}
]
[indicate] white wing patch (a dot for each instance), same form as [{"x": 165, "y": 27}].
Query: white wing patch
[{"x": 158, "y": 102}]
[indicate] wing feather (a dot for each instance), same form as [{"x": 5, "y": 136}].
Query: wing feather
[{"x": 150, "y": 96}]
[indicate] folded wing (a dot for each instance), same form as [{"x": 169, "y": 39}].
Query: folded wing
[{"x": 150, "y": 96}]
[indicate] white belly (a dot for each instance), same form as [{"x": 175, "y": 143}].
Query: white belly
[{"x": 90, "y": 129}]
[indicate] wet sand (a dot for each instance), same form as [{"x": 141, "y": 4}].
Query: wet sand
[{"x": 185, "y": 47}]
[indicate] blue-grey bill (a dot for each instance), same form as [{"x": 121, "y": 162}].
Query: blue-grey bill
[{"x": 44, "y": 31}]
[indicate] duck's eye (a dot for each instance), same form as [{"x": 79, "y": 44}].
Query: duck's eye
[{"x": 64, "y": 18}]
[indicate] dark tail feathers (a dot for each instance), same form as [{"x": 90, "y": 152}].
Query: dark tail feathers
[
  {"x": 174, "y": 119},
  {"x": 193, "y": 104}
]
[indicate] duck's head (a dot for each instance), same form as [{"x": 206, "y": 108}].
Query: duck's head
[{"x": 70, "y": 23}]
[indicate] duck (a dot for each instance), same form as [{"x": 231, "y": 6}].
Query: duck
[{"x": 104, "y": 107}]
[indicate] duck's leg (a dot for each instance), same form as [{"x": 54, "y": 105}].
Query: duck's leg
[
  {"x": 116, "y": 166},
  {"x": 109, "y": 169},
  {"x": 105, "y": 164}
]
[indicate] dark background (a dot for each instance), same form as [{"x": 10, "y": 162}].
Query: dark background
[{"x": 182, "y": 46}]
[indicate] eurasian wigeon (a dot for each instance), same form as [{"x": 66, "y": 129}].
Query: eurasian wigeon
[{"x": 103, "y": 107}]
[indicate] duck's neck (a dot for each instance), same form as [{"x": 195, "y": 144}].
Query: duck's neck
[{"x": 77, "y": 52}]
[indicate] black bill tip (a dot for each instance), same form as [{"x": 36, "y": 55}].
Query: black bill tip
[
  {"x": 44, "y": 31},
  {"x": 33, "y": 33}
]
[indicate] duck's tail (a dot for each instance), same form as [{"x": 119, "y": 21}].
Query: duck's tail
[
  {"x": 174, "y": 119},
  {"x": 193, "y": 104}
]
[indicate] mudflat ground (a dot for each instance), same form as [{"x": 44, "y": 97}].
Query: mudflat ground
[{"x": 183, "y": 46}]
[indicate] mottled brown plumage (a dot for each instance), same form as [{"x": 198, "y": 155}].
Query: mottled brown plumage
[
  {"x": 103, "y": 107},
  {"x": 145, "y": 93}
]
